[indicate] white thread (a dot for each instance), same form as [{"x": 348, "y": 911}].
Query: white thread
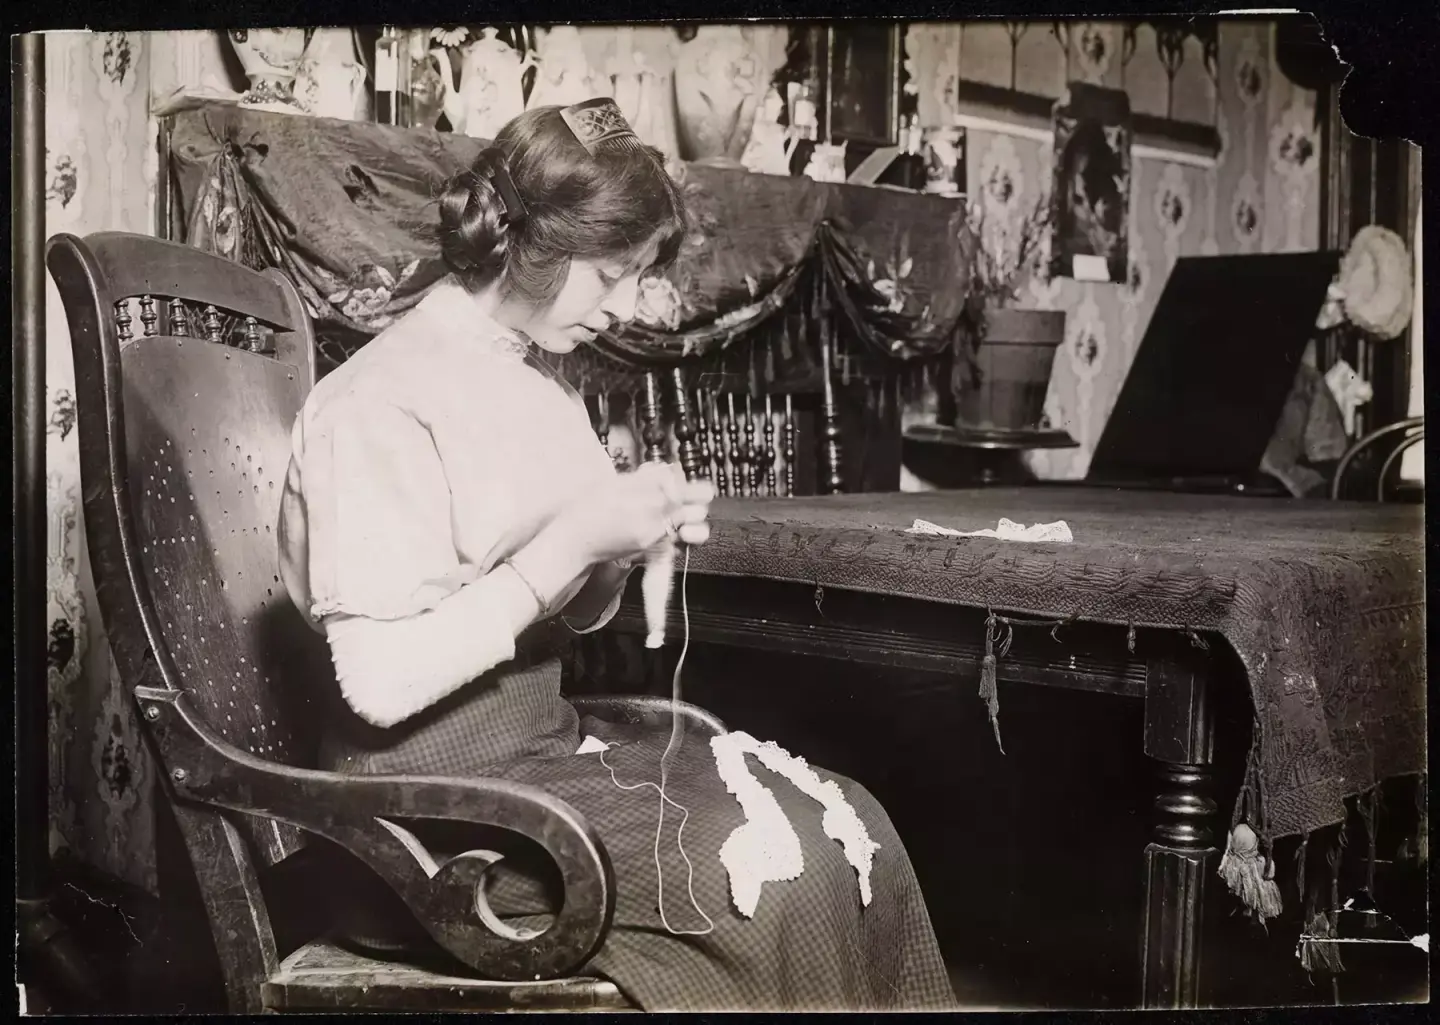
[{"x": 664, "y": 779}]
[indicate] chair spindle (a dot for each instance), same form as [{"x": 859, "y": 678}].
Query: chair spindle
[
  {"x": 122, "y": 320},
  {"x": 212, "y": 325},
  {"x": 148, "y": 317},
  {"x": 253, "y": 341},
  {"x": 179, "y": 321}
]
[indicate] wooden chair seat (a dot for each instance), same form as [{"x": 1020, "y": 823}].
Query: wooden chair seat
[{"x": 321, "y": 976}]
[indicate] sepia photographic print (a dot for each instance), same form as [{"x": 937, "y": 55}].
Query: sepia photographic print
[{"x": 760, "y": 515}]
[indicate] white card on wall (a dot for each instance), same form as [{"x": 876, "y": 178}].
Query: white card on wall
[{"x": 1089, "y": 268}]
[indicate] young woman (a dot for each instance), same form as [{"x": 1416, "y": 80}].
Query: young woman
[{"x": 449, "y": 519}]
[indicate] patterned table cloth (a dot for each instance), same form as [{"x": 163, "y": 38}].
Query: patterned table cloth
[{"x": 1323, "y": 602}]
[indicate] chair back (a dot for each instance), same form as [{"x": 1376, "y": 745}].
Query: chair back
[
  {"x": 1366, "y": 468},
  {"x": 190, "y": 370}
]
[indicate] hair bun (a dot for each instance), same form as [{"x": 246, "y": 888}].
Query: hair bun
[{"x": 473, "y": 236}]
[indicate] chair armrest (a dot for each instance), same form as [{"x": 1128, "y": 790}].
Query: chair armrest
[
  {"x": 356, "y": 811},
  {"x": 629, "y": 708}
]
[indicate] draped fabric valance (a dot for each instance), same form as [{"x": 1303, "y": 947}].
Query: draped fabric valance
[{"x": 347, "y": 210}]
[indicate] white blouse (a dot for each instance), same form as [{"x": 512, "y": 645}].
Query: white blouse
[{"x": 425, "y": 460}]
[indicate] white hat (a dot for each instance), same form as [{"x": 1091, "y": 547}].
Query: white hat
[{"x": 1374, "y": 282}]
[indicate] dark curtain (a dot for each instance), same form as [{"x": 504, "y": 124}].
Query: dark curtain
[{"x": 774, "y": 266}]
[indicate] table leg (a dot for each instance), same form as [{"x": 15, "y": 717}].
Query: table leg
[{"x": 1179, "y": 735}]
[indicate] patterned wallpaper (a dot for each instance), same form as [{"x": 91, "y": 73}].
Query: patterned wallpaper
[
  {"x": 101, "y": 165},
  {"x": 1261, "y": 196}
]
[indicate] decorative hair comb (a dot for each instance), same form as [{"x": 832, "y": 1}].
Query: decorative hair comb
[{"x": 598, "y": 123}]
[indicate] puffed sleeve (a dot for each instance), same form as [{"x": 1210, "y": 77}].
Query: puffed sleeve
[
  {"x": 367, "y": 519},
  {"x": 378, "y": 511}
]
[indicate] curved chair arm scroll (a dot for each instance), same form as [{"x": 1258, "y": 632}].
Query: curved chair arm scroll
[{"x": 353, "y": 811}]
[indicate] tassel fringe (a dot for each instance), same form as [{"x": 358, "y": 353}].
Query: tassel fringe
[
  {"x": 989, "y": 687},
  {"x": 1315, "y": 953},
  {"x": 1249, "y": 875}
]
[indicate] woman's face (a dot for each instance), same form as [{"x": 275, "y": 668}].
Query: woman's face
[{"x": 596, "y": 294}]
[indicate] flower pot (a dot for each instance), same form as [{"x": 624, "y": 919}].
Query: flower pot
[{"x": 1006, "y": 391}]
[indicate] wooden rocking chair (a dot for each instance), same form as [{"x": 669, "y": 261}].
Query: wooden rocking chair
[{"x": 184, "y": 430}]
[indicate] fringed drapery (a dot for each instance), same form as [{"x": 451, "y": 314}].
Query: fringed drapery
[{"x": 774, "y": 266}]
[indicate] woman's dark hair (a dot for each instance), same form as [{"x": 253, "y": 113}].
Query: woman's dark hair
[{"x": 604, "y": 206}]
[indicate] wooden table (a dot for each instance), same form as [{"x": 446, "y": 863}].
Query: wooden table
[{"x": 1176, "y": 673}]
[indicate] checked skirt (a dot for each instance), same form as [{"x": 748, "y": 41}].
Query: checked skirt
[{"x": 811, "y": 944}]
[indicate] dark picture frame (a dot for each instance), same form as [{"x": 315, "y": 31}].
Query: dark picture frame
[
  {"x": 862, "y": 65},
  {"x": 1090, "y": 183}
]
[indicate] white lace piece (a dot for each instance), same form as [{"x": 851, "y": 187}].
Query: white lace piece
[
  {"x": 766, "y": 848},
  {"x": 1006, "y": 530}
]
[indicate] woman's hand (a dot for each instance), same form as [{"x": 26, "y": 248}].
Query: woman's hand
[{"x": 633, "y": 513}]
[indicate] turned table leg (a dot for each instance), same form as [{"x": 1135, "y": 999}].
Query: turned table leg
[{"x": 1179, "y": 735}]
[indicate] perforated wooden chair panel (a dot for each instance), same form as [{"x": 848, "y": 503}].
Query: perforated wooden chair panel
[
  {"x": 216, "y": 361},
  {"x": 207, "y": 430}
]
